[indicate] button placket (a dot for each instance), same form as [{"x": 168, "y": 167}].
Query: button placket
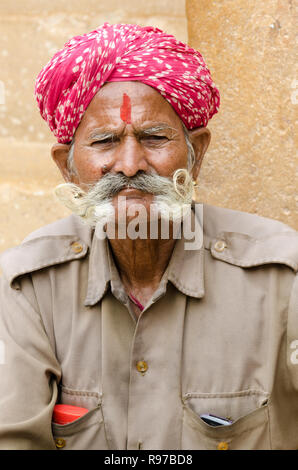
[{"x": 151, "y": 400}]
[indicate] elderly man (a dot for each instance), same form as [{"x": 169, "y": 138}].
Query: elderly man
[{"x": 136, "y": 342}]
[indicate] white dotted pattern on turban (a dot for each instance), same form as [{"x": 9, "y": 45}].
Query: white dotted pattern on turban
[{"x": 122, "y": 52}]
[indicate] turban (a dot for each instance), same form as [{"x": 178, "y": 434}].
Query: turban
[{"x": 122, "y": 52}]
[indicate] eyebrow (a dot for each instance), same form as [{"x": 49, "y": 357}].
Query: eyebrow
[
  {"x": 98, "y": 134},
  {"x": 156, "y": 129},
  {"x": 102, "y": 134}
]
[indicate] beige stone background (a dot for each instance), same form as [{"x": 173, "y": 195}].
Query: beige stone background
[
  {"x": 248, "y": 46},
  {"x": 251, "y": 49}
]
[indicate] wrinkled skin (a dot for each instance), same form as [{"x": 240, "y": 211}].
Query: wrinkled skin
[{"x": 106, "y": 141}]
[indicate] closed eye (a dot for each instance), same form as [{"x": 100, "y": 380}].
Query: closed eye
[
  {"x": 157, "y": 138},
  {"x": 107, "y": 140}
]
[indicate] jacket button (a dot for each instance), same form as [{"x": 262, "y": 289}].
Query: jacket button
[
  {"x": 76, "y": 247},
  {"x": 60, "y": 443},
  {"x": 222, "y": 446},
  {"x": 142, "y": 366},
  {"x": 220, "y": 245}
]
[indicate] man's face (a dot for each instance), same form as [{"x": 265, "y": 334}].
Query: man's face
[{"x": 128, "y": 128}]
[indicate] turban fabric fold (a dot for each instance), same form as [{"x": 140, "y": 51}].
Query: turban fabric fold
[{"x": 122, "y": 52}]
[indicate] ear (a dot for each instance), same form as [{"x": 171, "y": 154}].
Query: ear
[
  {"x": 200, "y": 139},
  {"x": 59, "y": 154}
]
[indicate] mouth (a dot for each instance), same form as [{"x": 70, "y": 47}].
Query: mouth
[{"x": 132, "y": 193}]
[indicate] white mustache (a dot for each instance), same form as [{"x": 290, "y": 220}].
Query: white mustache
[
  {"x": 111, "y": 184},
  {"x": 170, "y": 194}
]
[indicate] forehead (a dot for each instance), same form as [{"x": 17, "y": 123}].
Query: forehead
[{"x": 147, "y": 106}]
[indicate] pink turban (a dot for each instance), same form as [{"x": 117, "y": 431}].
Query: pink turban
[{"x": 123, "y": 52}]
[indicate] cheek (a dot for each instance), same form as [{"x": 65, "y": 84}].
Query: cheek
[
  {"x": 170, "y": 159},
  {"x": 88, "y": 165}
]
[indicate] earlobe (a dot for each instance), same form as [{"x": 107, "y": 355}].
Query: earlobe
[
  {"x": 60, "y": 154},
  {"x": 200, "y": 139}
]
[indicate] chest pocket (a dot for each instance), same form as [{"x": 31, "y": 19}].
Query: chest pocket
[
  {"x": 250, "y": 430},
  {"x": 84, "y": 433}
]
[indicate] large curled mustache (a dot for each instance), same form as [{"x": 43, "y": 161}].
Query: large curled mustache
[
  {"x": 170, "y": 192},
  {"x": 111, "y": 184}
]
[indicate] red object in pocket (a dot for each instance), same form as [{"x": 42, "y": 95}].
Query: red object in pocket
[{"x": 64, "y": 414}]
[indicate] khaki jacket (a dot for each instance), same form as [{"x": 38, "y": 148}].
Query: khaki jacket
[{"x": 219, "y": 336}]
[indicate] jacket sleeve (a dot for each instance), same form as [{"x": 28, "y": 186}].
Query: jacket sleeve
[{"x": 29, "y": 373}]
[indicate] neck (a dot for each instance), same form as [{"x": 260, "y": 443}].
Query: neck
[{"x": 141, "y": 263}]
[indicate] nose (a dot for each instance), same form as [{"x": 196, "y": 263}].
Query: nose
[{"x": 130, "y": 157}]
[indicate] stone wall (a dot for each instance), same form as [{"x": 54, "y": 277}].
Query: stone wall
[
  {"x": 31, "y": 32},
  {"x": 251, "y": 50}
]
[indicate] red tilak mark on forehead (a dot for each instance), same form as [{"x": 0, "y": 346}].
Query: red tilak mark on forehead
[{"x": 125, "y": 110}]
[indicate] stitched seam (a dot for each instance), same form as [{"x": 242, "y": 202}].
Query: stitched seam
[
  {"x": 258, "y": 261},
  {"x": 250, "y": 239},
  {"x": 81, "y": 393},
  {"x": 48, "y": 263},
  {"x": 241, "y": 393},
  {"x": 193, "y": 293},
  {"x": 73, "y": 237}
]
